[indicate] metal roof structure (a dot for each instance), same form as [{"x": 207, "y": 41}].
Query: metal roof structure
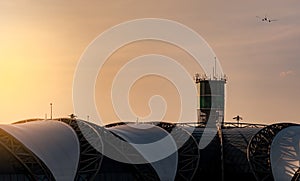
[
  {"x": 285, "y": 153},
  {"x": 63, "y": 139},
  {"x": 259, "y": 148},
  {"x": 141, "y": 137},
  {"x": 73, "y": 149},
  {"x": 235, "y": 143}
]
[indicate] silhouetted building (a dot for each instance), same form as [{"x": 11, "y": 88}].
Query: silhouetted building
[
  {"x": 73, "y": 149},
  {"x": 211, "y": 99}
]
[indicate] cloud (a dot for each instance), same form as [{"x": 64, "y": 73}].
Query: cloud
[{"x": 284, "y": 74}]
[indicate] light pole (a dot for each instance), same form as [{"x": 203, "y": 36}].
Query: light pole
[
  {"x": 238, "y": 118},
  {"x": 50, "y": 111}
]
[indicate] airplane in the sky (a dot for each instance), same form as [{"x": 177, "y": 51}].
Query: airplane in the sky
[{"x": 266, "y": 19}]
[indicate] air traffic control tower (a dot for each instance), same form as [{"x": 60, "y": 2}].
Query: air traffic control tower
[{"x": 211, "y": 98}]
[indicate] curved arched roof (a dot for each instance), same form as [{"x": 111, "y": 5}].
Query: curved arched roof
[
  {"x": 54, "y": 142},
  {"x": 147, "y": 139},
  {"x": 284, "y": 153},
  {"x": 64, "y": 144}
]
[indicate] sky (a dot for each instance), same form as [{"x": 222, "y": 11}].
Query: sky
[{"x": 41, "y": 43}]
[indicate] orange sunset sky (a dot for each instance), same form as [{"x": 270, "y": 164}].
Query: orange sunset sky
[{"x": 41, "y": 43}]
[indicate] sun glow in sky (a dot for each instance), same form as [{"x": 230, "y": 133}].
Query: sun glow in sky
[{"x": 41, "y": 43}]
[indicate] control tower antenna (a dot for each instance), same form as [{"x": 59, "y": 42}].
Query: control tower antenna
[
  {"x": 216, "y": 75},
  {"x": 213, "y": 75}
]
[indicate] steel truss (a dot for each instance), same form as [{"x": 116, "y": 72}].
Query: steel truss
[
  {"x": 192, "y": 124},
  {"x": 296, "y": 176},
  {"x": 90, "y": 159},
  {"x": 242, "y": 125},
  {"x": 258, "y": 151},
  {"x": 126, "y": 152},
  {"x": 36, "y": 169},
  {"x": 188, "y": 153}
]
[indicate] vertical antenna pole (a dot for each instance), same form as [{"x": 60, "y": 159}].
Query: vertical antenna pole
[
  {"x": 51, "y": 111},
  {"x": 215, "y": 67}
]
